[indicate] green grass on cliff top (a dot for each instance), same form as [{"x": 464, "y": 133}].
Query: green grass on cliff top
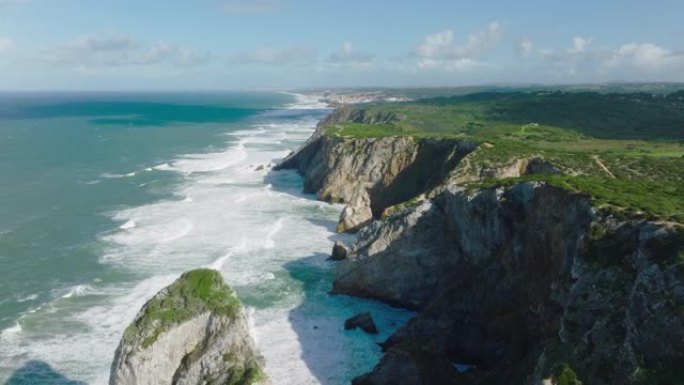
[
  {"x": 194, "y": 293},
  {"x": 637, "y": 137}
]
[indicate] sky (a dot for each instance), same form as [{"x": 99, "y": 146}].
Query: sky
[{"x": 276, "y": 44}]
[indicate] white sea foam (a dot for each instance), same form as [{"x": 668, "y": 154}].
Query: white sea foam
[
  {"x": 130, "y": 224},
  {"x": 14, "y": 329},
  {"x": 267, "y": 243},
  {"x": 78, "y": 291},
  {"x": 161, "y": 167},
  {"x": 307, "y": 101},
  {"x": 27, "y": 298},
  {"x": 277, "y": 226}
]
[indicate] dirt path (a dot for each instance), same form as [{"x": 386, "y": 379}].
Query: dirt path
[{"x": 603, "y": 166}]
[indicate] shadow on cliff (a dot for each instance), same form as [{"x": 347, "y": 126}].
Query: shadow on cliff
[
  {"x": 38, "y": 372},
  {"x": 335, "y": 356},
  {"x": 287, "y": 181}
]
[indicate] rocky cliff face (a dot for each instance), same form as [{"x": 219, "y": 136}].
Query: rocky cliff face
[
  {"x": 370, "y": 175},
  {"x": 192, "y": 332},
  {"x": 525, "y": 285}
]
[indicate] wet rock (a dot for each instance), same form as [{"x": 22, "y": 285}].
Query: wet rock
[
  {"x": 411, "y": 365},
  {"x": 339, "y": 252},
  {"x": 364, "y": 321}
]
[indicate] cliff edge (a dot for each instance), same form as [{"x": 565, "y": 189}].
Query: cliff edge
[
  {"x": 371, "y": 174},
  {"x": 523, "y": 285},
  {"x": 527, "y": 259}
]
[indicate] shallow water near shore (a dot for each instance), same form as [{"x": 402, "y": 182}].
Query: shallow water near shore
[{"x": 105, "y": 199}]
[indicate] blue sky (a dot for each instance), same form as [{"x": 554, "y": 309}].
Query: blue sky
[{"x": 266, "y": 44}]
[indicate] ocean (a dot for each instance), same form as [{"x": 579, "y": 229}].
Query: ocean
[{"x": 105, "y": 198}]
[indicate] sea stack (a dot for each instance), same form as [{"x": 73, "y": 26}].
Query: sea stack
[{"x": 192, "y": 332}]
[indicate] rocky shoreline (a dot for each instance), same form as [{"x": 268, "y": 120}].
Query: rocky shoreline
[{"x": 528, "y": 284}]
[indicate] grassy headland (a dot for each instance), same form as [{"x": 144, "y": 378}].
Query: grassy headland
[{"x": 626, "y": 150}]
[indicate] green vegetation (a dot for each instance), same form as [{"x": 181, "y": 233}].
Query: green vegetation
[
  {"x": 645, "y": 198},
  {"x": 195, "y": 292},
  {"x": 625, "y": 150},
  {"x": 564, "y": 375},
  {"x": 246, "y": 376},
  {"x": 666, "y": 376}
]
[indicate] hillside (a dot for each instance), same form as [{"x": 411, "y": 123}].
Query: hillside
[{"x": 624, "y": 149}]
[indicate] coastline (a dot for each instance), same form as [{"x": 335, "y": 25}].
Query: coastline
[{"x": 211, "y": 180}]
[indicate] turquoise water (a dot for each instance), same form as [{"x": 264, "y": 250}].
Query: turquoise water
[{"x": 106, "y": 198}]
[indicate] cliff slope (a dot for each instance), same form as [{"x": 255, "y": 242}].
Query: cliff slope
[
  {"x": 523, "y": 284},
  {"x": 370, "y": 175},
  {"x": 192, "y": 332},
  {"x": 539, "y": 235}
]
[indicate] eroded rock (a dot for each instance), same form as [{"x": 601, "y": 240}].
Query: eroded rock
[
  {"x": 363, "y": 321},
  {"x": 527, "y": 284},
  {"x": 192, "y": 332},
  {"x": 339, "y": 251}
]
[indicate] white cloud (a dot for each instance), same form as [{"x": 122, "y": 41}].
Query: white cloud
[
  {"x": 627, "y": 61},
  {"x": 526, "y": 47},
  {"x": 278, "y": 56},
  {"x": 645, "y": 56},
  {"x": 119, "y": 50},
  {"x": 85, "y": 44},
  {"x": 579, "y": 45},
  {"x": 347, "y": 54},
  {"x": 459, "y": 65},
  {"x": 441, "y": 49},
  {"x": 6, "y": 44},
  {"x": 248, "y": 7}
]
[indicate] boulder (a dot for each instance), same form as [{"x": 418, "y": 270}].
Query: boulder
[
  {"x": 339, "y": 252},
  {"x": 364, "y": 321}
]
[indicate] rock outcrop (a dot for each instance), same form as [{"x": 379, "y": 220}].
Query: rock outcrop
[
  {"x": 411, "y": 366},
  {"x": 339, "y": 252},
  {"x": 370, "y": 175},
  {"x": 192, "y": 332},
  {"x": 525, "y": 284},
  {"x": 363, "y": 321}
]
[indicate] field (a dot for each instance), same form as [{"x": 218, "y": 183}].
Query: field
[{"x": 626, "y": 150}]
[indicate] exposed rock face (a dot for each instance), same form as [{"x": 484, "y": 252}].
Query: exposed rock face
[
  {"x": 403, "y": 241},
  {"x": 339, "y": 252},
  {"x": 541, "y": 166},
  {"x": 357, "y": 115},
  {"x": 411, "y": 365},
  {"x": 364, "y": 321},
  {"x": 525, "y": 284},
  {"x": 371, "y": 174},
  {"x": 192, "y": 332}
]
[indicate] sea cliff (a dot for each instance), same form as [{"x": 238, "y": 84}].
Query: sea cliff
[
  {"x": 371, "y": 174},
  {"x": 526, "y": 284}
]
